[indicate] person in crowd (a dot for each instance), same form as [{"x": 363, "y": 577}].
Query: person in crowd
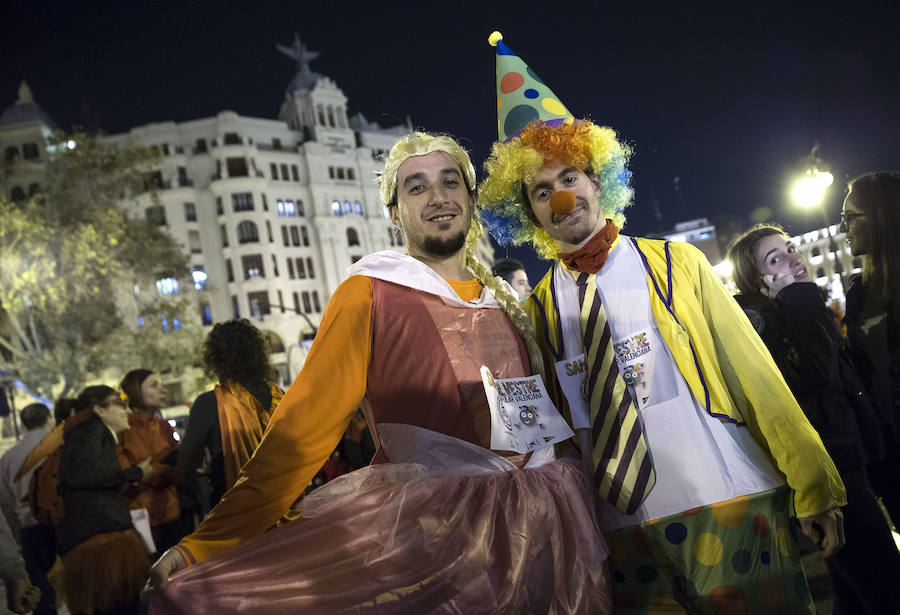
[
  {"x": 149, "y": 434},
  {"x": 443, "y": 520},
  {"x": 37, "y": 540},
  {"x": 689, "y": 432},
  {"x": 513, "y": 271},
  {"x": 790, "y": 315},
  {"x": 63, "y": 409},
  {"x": 21, "y": 595},
  {"x": 103, "y": 557},
  {"x": 229, "y": 420},
  {"x": 870, "y": 220}
]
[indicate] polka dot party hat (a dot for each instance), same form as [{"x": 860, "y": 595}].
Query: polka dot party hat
[{"x": 521, "y": 95}]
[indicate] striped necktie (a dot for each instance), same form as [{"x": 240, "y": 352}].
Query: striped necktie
[{"x": 623, "y": 471}]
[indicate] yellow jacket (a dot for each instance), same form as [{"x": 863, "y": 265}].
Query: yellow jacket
[{"x": 722, "y": 359}]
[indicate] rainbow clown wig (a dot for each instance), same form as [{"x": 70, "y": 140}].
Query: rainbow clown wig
[{"x": 506, "y": 211}]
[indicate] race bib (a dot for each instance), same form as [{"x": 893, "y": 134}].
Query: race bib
[
  {"x": 635, "y": 356},
  {"x": 522, "y": 416},
  {"x": 572, "y": 377}
]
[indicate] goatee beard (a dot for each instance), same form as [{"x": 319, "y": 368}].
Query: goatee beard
[{"x": 445, "y": 247}]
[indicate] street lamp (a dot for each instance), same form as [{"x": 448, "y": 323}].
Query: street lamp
[{"x": 808, "y": 191}]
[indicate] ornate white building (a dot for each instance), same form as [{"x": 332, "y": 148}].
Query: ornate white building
[{"x": 270, "y": 211}]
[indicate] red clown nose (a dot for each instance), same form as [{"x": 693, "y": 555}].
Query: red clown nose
[{"x": 562, "y": 202}]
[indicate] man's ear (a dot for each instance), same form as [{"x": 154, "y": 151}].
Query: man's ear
[
  {"x": 394, "y": 213},
  {"x": 595, "y": 181}
]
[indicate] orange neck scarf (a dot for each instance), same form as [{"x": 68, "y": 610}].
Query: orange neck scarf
[{"x": 590, "y": 257}]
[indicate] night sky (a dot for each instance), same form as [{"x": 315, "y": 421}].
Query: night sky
[{"x": 721, "y": 104}]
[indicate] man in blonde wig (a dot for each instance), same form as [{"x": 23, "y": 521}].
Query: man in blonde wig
[{"x": 439, "y": 522}]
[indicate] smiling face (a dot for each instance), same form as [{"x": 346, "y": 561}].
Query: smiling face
[
  {"x": 777, "y": 256},
  {"x": 434, "y": 207},
  {"x": 853, "y": 223},
  {"x": 113, "y": 413},
  {"x": 572, "y": 228}
]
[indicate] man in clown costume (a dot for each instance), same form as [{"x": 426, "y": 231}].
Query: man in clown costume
[
  {"x": 442, "y": 521},
  {"x": 698, "y": 450}
]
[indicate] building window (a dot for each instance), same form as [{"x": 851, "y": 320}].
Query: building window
[
  {"x": 231, "y": 138},
  {"x": 242, "y": 201},
  {"x": 300, "y": 211},
  {"x": 357, "y": 208},
  {"x": 183, "y": 179},
  {"x": 309, "y": 268},
  {"x": 351, "y": 174},
  {"x": 205, "y": 314},
  {"x": 259, "y": 304},
  {"x": 265, "y": 202},
  {"x": 281, "y": 305},
  {"x": 352, "y": 237},
  {"x": 247, "y": 232},
  {"x": 30, "y": 151},
  {"x": 305, "y": 234},
  {"x": 190, "y": 212},
  {"x": 234, "y": 307},
  {"x": 330, "y": 172},
  {"x": 200, "y": 148},
  {"x": 340, "y": 173},
  {"x": 276, "y": 143},
  {"x": 253, "y": 266},
  {"x": 273, "y": 170},
  {"x": 321, "y": 114},
  {"x": 10, "y": 153},
  {"x": 315, "y": 298},
  {"x": 269, "y": 231},
  {"x": 219, "y": 209},
  {"x": 296, "y": 303},
  {"x": 295, "y": 236},
  {"x": 33, "y": 189},
  {"x": 347, "y": 208},
  {"x": 199, "y": 276},
  {"x": 167, "y": 286},
  {"x": 237, "y": 167},
  {"x": 284, "y": 172},
  {"x": 229, "y": 271},
  {"x": 155, "y": 215},
  {"x": 816, "y": 251},
  {"x": 331, "y": 116},
  {"x": 285, "y": 208},
  {"x": 820, "y": 272},
  {"x": 301, "y": 269},
  {"x": 355, "y": 259},
  {"x": 295, "y": 174},
  {"x": 224, "y": 232},
  {"x": 284, "y": 235},
  {"x": 194, "y": 242},
  {"x": 290, "y": 265},
  {"x": 307, "y": 306},
  {"x": 274, "y": 266},
  {"x": 336, "y": 208},
  {"x": 391, "y": 235},
  {"x": 17, "y": 194}
]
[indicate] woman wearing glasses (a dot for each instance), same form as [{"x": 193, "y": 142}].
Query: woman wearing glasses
[
  {"x": 871, "y": 220},
  {"x": 104, "y": 562},
  {"x": 789, "y": 313}
]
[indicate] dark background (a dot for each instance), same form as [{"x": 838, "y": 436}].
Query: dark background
[{"x": 721, "y": 101}]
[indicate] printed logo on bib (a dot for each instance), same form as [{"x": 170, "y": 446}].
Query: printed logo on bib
[
  {"x": 572, "y": 376},
  {"x": 522, "y": 416},
  {"x": 635, "y": 356}
]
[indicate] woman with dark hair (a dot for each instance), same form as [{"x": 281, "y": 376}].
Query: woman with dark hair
[
  {"x": 789, "y": 313},
  {"x": 229, "y": 420},
  {"x": 104, "y": 561},
  {"x": 150, "y": 435},
  {"x": 63, "y": 409},
  {"x": 871, "y": 220}
]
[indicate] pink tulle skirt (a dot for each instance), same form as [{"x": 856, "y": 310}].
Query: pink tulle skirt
[{"x": 398, "y": 538}]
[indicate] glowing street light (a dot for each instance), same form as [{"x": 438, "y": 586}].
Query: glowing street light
[{"x": 809, "y": 189}]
